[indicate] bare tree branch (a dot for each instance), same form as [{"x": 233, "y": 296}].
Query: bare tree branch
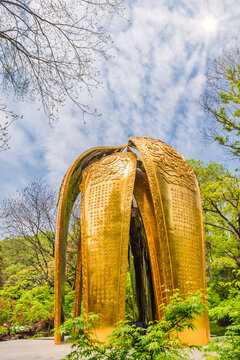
[
  {"x": 221, "y": 100},
  {"x": 49, "y": 49}
]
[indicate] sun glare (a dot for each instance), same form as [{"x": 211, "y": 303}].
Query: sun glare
[{"x": 210, "y": 24}]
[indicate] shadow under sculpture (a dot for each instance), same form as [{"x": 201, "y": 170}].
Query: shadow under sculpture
[{"x": 144, "y": 213}]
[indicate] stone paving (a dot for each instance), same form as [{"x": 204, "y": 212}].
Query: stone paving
[
  {"x": 31, "y": 349},
  {"x": 41, "y": 349}
]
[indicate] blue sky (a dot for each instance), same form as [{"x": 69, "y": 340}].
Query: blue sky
[{"x": 150, "y": 88}]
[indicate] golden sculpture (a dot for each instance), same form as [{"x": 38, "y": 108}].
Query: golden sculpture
[{"x": 161, "y": 192}]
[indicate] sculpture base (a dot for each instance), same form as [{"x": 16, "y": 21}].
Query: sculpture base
[
  {"x": 199, "y": 336},
  {"x": 101, "y": 333}
]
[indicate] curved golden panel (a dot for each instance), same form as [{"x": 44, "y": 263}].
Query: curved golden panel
[
  {"x": 177, "y": 209},
  {"x": 145, "y": 204},
  {"x": 68, "y": 193},
  {"x": 156, "y": 195},
  {"x": 107, "y": 191}
]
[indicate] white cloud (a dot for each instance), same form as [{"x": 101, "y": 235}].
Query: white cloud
[{"x": 151, "y": 87}]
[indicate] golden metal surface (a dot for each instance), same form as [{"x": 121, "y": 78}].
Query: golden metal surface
[
  {"x": 156, "y": 196},
  {"x": 168, "y": 198},
  {"x": 159, "y": 265},
  {"x": 105, "y": 220},
  {"x": 68, "y": 193},
  {"x": 177, "y": 208}
]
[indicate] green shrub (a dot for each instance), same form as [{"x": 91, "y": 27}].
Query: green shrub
[
  {"x": 21, "y": 309},
  {"x": 224, "y": 348},
  {"x": 3, "y": 330},
  {"x": 126, "y": 342}
]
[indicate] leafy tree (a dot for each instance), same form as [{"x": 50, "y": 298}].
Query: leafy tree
[
  {"x": 227, "y": 347},
  {"x": 24, "y": 309},
  {"x": 28, "y": 221},
  {"x": 20, "y": 265},
  {"x": 230, "y": 306},
  {"x": 221, "y": 100},
  {"x": 220, "y": 191},
  {"x": 49, "y": 50},
  {"x": 29, "y": 217}
]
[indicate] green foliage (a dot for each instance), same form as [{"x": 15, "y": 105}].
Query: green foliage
[
  {"x": 27, "y": 258},
  {"x": 127, "y": 342},
  {"x": 229, "y": 308},
  {"x": 224, "y": 348},
  {"x": 1, "y": 267},
  {"x": 3, "y": 330},
  {"x": 18, "y": 265},
  {"x": 130, "y": 306},
  {"x": 220, "y": 192},
  {"x": 216, "y": 329},
  {"x": 28, "y": 218},
  {"x": 21, "y": 308},
  {"x": 69, "y": 301}
]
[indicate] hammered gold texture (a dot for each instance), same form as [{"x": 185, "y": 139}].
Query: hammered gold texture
[
  {"x": 107, "y": 192},
  {"x": 145, "y": 204},
  {"x": 68, "y": 193},
  {"x": 204, "y": 318},
  {"x": 166, "y": 159},
  {"x": 158, "y": 209},
  {"x": 178, "y": 213}
]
